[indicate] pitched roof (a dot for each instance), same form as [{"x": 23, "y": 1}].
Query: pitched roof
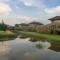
[
  {"x": 23, "y": 24},
  {"x": 38, "y": 23},
  {"x": 55, "y": 18}
]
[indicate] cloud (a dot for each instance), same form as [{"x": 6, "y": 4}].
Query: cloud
[
  {"x": 24, "y": 19},
  {"x": 28, "y": 2},
  {"x": 19, "y": 19},
  {"x": 4, "y": 8},
  {"x": 35, "y": 3},
  {"x": 38, "y": 4},
  {"x": 4, "y": 0},
  {"x": 53, "y": 11}
]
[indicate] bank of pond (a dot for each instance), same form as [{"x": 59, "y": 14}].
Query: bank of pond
[
  {"x": 40, "y": 36},
  {"x": 24, "y": 34}
]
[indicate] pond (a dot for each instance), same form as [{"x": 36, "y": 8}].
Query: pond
[{"x": 24, "y": 49}]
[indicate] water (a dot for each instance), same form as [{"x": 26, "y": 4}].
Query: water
[{"x": 23, "y": 49}]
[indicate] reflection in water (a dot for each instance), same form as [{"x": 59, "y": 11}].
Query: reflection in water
[
  {"x": 4, "y": 45},
  {"x": 7, "y": 39},
  {"x": 44, "y": 45},
  {"x": 22, "y": 49},
  {"x": 33, "y": 39},
  {"x": 55, "y": 47},
  {"x": 38, "y": 46},
  {"x": 4, "y": 48},
  {"x": 29, "y": 56},
  {"x": 22, "y": 36}
]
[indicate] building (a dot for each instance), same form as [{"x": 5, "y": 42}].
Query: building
[
  {"x": 55, "y": 24},
  {"x": 28, "y": 27}
]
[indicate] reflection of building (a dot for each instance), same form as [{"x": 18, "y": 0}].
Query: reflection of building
[
  {"x": 55, "y": 25},
  {"x": 55, "y": 47}
]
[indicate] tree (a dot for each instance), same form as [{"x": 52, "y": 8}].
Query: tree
[{"x": 3, "y": 26}]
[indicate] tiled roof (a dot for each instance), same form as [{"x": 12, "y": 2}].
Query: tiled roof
[
  {"x": 55, "y": 18},
  {"x": 38, "y": 23}
]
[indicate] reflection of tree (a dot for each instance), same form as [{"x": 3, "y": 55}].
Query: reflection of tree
[
  {"x": 55, "y": 47},
  {"x": 38, "y": 46}
]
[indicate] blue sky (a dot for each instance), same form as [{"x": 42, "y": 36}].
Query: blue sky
[{"x": 25, "y": 11}]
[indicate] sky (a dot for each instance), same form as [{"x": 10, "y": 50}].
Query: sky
[{"x": 25, "y": 11}]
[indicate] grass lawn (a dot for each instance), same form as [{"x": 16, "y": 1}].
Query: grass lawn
[
  {"x": 48, "y": 37},
  {"x": 7, "y": 34}
]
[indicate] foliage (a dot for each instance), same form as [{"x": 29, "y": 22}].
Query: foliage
[
  {"x": 3, "y": 27},
  {"x": 4, "y": 34}
]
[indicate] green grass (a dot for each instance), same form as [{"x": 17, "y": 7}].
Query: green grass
[
  {"x": 5, "y": 35},
  {"x": 47, "y": 37}
]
